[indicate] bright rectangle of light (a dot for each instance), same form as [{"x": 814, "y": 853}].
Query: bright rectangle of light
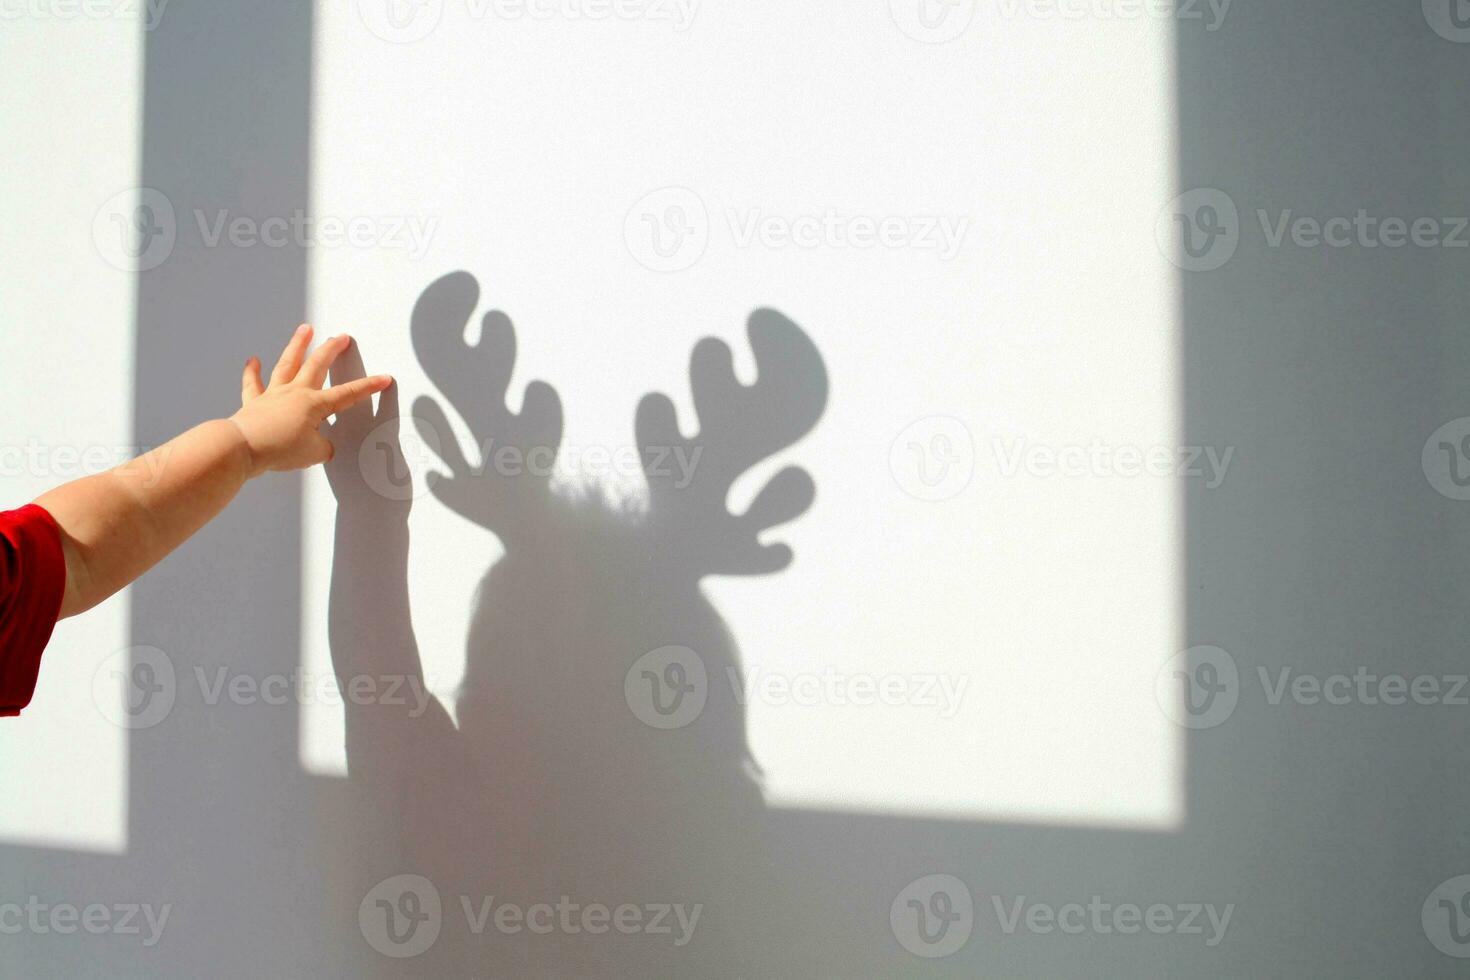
[{"x": 1014, "y": 611}]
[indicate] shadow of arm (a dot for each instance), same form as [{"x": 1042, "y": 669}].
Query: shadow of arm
[{"x": 392, "y": 718}]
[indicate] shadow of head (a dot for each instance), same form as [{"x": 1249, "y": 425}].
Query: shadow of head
[{"x": 592, "y": 645}]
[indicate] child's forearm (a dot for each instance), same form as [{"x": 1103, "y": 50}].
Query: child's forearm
[{"x": 118, "y": 524}]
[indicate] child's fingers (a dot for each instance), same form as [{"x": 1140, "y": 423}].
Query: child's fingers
[
  {"x": 341, "y": 397},
  {"x": 250, "y": 383},
  {"x": 314, "y": 370},
  {"x": 292, "y": 356}
]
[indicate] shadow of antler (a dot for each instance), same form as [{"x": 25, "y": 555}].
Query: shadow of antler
[
  {"x": 516, "y": 450},
  {"x": 740, "y": 425}
]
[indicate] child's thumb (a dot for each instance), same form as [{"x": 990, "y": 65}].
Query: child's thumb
[{"x": 322, "y": 449}]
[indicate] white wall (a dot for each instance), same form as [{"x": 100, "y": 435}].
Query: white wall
[{"x": 534, "y": 153}]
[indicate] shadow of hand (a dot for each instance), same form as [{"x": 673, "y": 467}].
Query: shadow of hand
[{"x": 368, "y": 471}]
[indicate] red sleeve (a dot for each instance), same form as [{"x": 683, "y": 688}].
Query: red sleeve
[{"x": 32, "y": 581}]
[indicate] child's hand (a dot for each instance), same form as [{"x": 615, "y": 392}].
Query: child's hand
[
  {"x": 281, "y": 423},
  {"x": 116, "y": 525}
]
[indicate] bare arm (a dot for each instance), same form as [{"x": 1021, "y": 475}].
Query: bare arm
[{"x": 118, "y": 524}]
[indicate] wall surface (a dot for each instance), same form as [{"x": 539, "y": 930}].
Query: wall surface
[{"x": 1098, "y": 440}]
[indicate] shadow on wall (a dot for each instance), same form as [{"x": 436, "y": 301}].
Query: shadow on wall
[{"x": 600, "y": 757}]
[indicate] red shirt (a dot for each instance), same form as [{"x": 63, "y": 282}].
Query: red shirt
[{"x": 32, "y": 581}]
